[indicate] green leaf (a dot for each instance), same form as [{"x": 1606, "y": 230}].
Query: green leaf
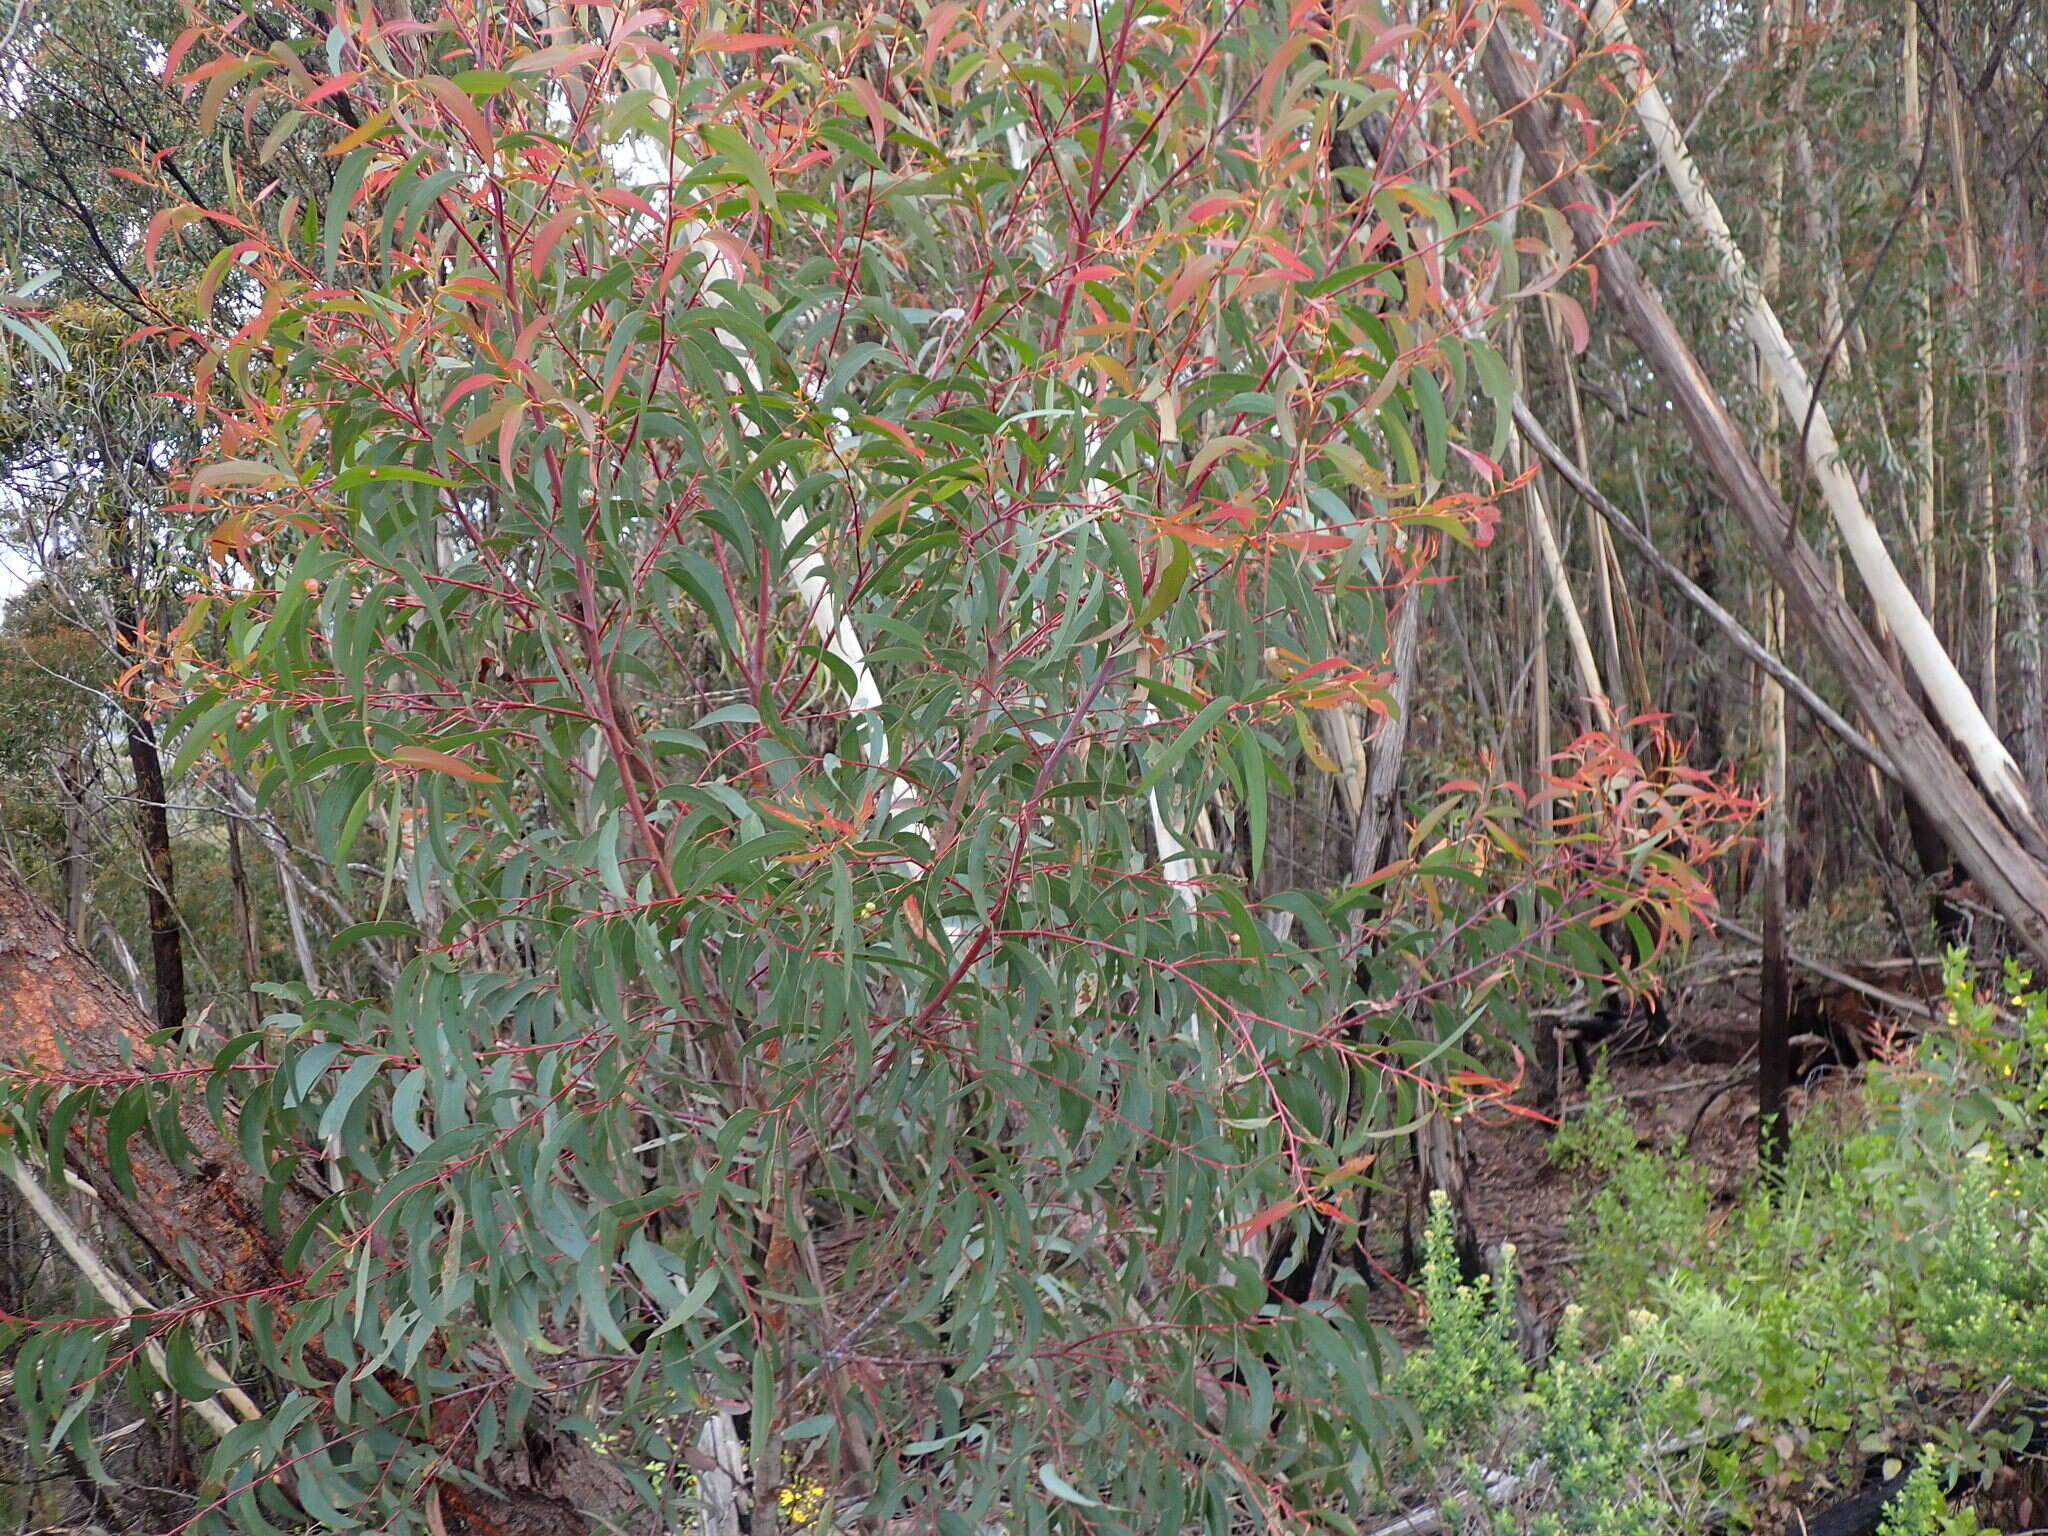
[
  {"x": 1185, "y": 742},
  {"x": 1049, "y": 1478},
  {"x": 348, "y": 181},
  {"x": 730, "y": 143}
]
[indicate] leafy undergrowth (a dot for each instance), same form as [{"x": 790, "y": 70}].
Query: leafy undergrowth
[{"x": 1882, "y": 1303}]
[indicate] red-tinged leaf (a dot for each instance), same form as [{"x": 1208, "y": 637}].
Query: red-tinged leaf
[
  {"x": 487, "y": 422},
  {"x": 1350, "y": 1168},
  {"x": 557, "y": 59},
  {"x": 1213, "y": 207},
  {"x": 428, "y": 760},
  {"x": 1277, "y": 69},
  {"x": 508, "y": 435},
  {"x": 159, "y": 226},
  {"x": 1487, "y": 467},
  {"x": 894, "y": 431},
  {"x": 1386, "y": 43},
  {"x": 639, "y": 21},
  {"x": 213, "y": 67},
  {"x": 470, "y": 385},
  {"x": 1279, "y": 1210},
  {"x": 216, "y": 94},
  {"x": 632, "y": 202},
  {"x": 1201, "y": 538},
  {"x": 937, "y": 23},
  {"x": 1294, "y": 265},
  {"x": 1573, "y": 319},
  {"x": 231, "y": 535},
  {"x": 372, "y": 128},
  {"x": 333, "y": 85},
  {"x": 1193, "y": 276},
  {"x": 1094, "y": 273},
  {"x": 1542, "y": 283},
  {"x": 1459, "y": 105},
  {"x": 863, "y": 91},
  {"x": 550, "y": 235},
  {"x": 458, "y": 104},
  {"x": 176, "y": 56},
  {"x": 1327, "y": 664},
  {"x": 1313, "y": 542},
  {"x": 735, "y": 256},
  {"x": 739, "y": 42}
]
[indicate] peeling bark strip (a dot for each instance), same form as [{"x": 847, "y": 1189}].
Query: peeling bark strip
[
  {"x": 63, "y": 1017},
  {"x": 2016, "y": 884}
]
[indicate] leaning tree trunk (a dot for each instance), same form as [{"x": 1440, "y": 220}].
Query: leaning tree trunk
[
  {"x": 65, "y": 1022},
  {"x": 1964, "y": 716},
  {"x": 1994, "y": 856}
]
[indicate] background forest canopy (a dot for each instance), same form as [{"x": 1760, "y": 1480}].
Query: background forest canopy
[{"x": 795, "y": 765}]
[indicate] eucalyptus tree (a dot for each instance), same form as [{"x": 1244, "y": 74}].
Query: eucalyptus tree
[{"x": 804, "y": 537}]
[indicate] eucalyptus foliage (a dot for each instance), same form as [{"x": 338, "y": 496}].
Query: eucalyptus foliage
[{"x": 787, "y": 561}]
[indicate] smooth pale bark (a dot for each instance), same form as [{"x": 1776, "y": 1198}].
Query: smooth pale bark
[
  {"x": 1774, "y": 1004},
  {"x": 2012, "y": 879},
  {"x": 1930, "y": 663},
  {"x": 1597, "y": 542},
  {"x": 807, "y": 573},
  {"x": 1551, "y": 558},
  {"x": 1539, "y": 608},
  {"x": 245, "y": 919},
  {"x": 1574, "y": 627}
]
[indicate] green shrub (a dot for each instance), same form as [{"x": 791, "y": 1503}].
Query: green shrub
[
  {"x": 1921, "y": 1509},
  {"x": 1721, "y": 1361},
  {"x": 1459, "y": 1384}
]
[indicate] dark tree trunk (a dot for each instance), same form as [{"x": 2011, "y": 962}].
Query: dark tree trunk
[
  {"x": 153, "y": 820},
  {"x": 1774, "y": 1018}
]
